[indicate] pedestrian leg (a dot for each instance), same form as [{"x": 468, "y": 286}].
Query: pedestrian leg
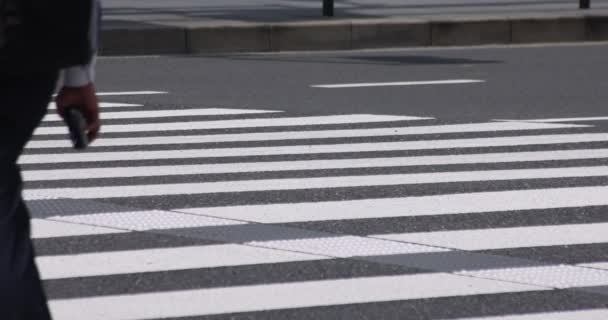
[{"x": 23, "y": 103}]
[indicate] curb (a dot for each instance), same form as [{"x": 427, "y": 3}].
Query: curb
[{"x": 132, "y": 38}]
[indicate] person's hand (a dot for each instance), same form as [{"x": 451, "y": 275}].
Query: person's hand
[{"x": 85, "y": 99}]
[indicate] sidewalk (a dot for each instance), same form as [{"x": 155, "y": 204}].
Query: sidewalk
[{"x": 212, "y": 26}]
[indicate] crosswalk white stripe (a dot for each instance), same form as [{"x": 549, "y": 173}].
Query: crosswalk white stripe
[
  {"x": 173, "y": 170},
  {"x": 501, "y": 201},
  {"x": 503, "y": 238},
  {"x": 168, "y": 259},
  {"x": 391, "y": 84},
  {"x": 170, "y": 113},
  {"x": 555, "y": 276},
  {"x": 311, "y": 183},
  {"x": 314, "y": 149},
  {"x": 165, "y": 259},
  {"x": 558, "y": 119},
  {"x": 334, "y": 246},
  {"x": 42, "y": 228},
  {"x": 129, "y": 93},
  {"x": 278, "y": 296},
  {"x": 319, "y": 134},
  {"x": 240, "y": 123},
  {"x": 147, "y": 220},
  {"x": 103, "y": 105},
  {"x": 596, "y": 265},
  {"x": 562, "y": 315}
]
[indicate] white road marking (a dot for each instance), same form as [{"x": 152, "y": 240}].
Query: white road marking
[
  {"x": 173, "y": 170},
  {"x": 100, "y": 192},
  {"x": 320, "y": 134},
  {"x": 278, "y": 296},
  {"x": 549, "y": 120},
  {"x": 240, "y": 123},
  {"x": 315, "y": 149},
  {"x": 42, "y": 228},
  {"x": 103, "y": 105},
  {"x": 595, "y": 265},
  {"x": 501, "y": 201},
  {"x": 554, "y": 276},
  {"x": 130, "y": 93},
  {"x": 336, "y": 246},
  {"x": 165, "y": 259},
  {"x": 147, "y": 220},
  {"x": 561, "y": 315},
  {"x": 503, "y": 238},
  {"x": 169, "y": 113},
  {"x": 392, "y": 84},
  {"x": 346, "y": 246}
]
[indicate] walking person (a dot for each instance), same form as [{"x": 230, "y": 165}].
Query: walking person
[{"x": 40, "y": 41}]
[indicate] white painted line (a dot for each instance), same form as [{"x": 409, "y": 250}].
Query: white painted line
[
  {"x": 173, "y": 170},
  {"x": 165, "y": 259},
  {"x": 169, "y": 113},
  {"x": 147, "y": 220},
  {"x": 392, "y": 84},
  {"x": 99, "y": 192},
  {"x": 321, "y": 134},
  {"x": 314, "y": 149},
  {"x": 103, "y": 105},
  {"x": 337, "y": 247},
  {"x": 240, "y": 123},
  {"x": 278, "y": 296},
  {"x": 562, "y": 315},
  {"x": 42, "y": 228},
  {"x": 130, "y": 93},
  {"x": 503, "y": 238},
  {"x": 595, "y": 265},
  {"x": 549, "y": 120},
  {"x": 346, "y": 246},
  {"x": 502, "y": 201},
  {"x": 555, "y": 276}
]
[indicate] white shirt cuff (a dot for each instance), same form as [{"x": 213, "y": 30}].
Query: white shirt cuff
[{"x": 79, "y": 76}]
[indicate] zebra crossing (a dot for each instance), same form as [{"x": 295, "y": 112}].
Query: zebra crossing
[{"x": 213, "y": 213}]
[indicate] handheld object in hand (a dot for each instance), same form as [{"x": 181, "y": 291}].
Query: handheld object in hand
[{"x": 77, "y": 125}]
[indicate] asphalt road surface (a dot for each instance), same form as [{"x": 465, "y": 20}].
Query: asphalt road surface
[{"x": 404, "y": 184}]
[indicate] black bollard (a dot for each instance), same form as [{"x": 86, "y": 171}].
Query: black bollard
[
  {"x": 584, "y": 4},
  {"x": 328, "y": 8}
]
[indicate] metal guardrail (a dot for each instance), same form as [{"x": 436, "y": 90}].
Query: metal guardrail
[{"x": 328, "y": 6}]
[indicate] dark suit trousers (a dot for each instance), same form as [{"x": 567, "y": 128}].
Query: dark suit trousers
[{"x": 23, "y": 103}]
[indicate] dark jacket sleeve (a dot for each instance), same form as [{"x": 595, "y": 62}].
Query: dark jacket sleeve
[{"x": 80, "y": 75}]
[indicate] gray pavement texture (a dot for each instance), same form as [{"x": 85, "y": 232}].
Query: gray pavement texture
[
  {"x": 521, "y": 82},
  {"x": 121, "y": 255},
  {"x": 191, "y": 26}
]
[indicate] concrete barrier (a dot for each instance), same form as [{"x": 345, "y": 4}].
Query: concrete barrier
[
  {"x": 199, "y": 37},
  {"x": 140, "y": 39},
  {"x": 597, "y": 28},
  {"x": 390, "y": 34},
  {"x": 459, "y": 33},
  {"x": 310, "y": 36},
  {"x": 549, "y": 30},
  {"x": 231, "y": 38}
]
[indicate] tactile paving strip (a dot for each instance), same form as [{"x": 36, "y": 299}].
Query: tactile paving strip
[
  {"x": 347, "y": 246},
  {"x": 329, "y": 245},
  {"x": 66, "y": 207},
  {"x": 146, "y": 220},
  {"x": 556, "y": 276}
]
